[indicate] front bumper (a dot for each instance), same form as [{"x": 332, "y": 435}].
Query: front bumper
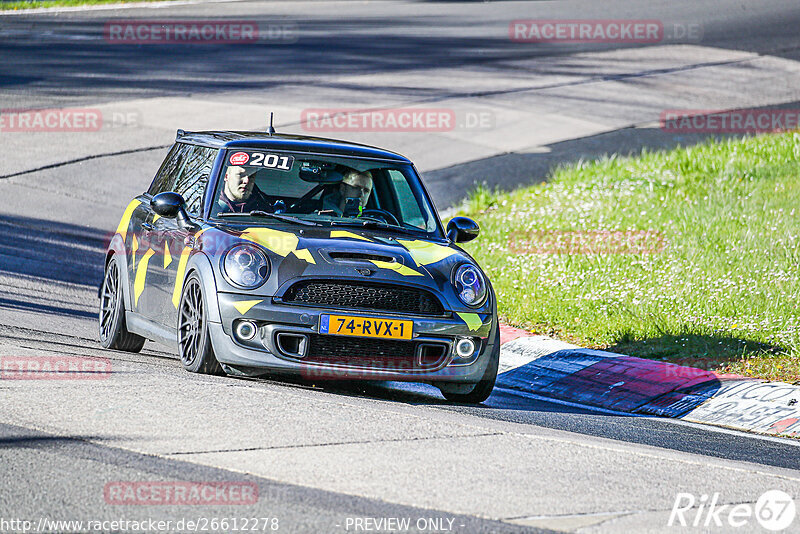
[{"x": 263, "y": 353}]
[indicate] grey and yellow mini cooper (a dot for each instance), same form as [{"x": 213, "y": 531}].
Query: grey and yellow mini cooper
[{"x": 256, "y": 253}]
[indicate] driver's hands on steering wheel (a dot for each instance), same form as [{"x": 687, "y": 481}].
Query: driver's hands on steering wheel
[{"x": 378, "y": 213}]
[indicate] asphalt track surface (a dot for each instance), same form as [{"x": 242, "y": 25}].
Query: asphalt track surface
[{"x": 323, "y": 453}]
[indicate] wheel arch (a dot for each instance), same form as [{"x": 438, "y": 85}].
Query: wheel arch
[
  {"x": 116, "y": 248},
  {"x": 200, "y": 264}
]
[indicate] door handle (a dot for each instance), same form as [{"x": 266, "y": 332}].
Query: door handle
[{"x": 148, "y": 227}]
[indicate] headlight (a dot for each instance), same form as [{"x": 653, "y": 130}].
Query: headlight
[
  {"x": 245, "y": 266},
  {"x": 470, "y": 285}
]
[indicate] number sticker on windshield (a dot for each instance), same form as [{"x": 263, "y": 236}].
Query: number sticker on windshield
[{"x": 278, "y": 162}]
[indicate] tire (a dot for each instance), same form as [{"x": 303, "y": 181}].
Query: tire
[
  {"x": 111, "y": 318},
  {"x": 484, "y": 388},
  {"x": 194, "y": 340}
]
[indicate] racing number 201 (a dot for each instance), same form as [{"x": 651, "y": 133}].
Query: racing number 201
[{"x": 272, "y": 161}]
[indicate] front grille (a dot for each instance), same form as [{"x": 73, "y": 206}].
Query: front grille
[
  {"x": 388, "y": 354},
  {"x": 364, "y": 296}
]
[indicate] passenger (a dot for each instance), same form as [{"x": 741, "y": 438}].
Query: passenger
[{"x": 354, "y": 185}]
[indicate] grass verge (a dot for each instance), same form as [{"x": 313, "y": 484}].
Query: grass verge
[
  {"x": 691, "y": 255},
  {"x": 18, "y": 5}
]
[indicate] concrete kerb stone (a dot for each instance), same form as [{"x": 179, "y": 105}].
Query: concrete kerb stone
[{"x": 552, "y": 368}]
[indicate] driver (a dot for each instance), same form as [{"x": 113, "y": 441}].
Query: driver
[
  {"x": 240, "y": 193},
  {"x": 354, "y": 185}
]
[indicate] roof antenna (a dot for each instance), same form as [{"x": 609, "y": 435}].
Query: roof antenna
[{"x": 271, "y": 129}]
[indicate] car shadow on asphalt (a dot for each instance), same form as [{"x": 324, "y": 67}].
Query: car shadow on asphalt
[
  {"x": 420, "y": 394},
  {"x": 404, "y": 392}
]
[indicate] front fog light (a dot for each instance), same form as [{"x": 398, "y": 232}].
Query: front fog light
[
  {"x": 246, "y": 330},
  {"x": 465, "y": 347}
]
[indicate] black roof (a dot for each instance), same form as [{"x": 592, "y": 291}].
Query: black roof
[{"x": 294, "y": 143}]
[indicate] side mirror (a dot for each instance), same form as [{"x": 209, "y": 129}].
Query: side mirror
[
  {"x": 172, "y": 206},
  {"x": 462, "y": 229},
  {"x": 168, "y": 204}
]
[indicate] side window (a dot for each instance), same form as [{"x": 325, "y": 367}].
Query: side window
[
  {"x": 165, "y": 178},
  {"x": 406, "y": 202},
  {"x": 193, "y": 177}
]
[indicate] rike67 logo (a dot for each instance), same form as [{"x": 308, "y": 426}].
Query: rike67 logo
[{"x": 774, "y": 510}]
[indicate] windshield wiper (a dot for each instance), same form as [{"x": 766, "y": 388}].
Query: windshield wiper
[
  {"x": 369, "y": 223},
  {"x": 260, "y": 213}
]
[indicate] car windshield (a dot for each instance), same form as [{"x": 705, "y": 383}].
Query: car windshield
[{"x": 322, "y": 189}]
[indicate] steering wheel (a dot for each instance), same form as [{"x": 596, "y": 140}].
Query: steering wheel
[
  {"x": 313, "y": 191},
  {"x": 374, "y": 213}
]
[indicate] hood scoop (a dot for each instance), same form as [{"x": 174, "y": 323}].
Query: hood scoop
[{"x": 358, "y": 257}]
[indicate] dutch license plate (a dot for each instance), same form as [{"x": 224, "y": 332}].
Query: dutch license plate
[{"x": 348, "y": 325}]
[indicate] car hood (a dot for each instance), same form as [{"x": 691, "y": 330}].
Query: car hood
[{"x": 340, "y": 253}]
